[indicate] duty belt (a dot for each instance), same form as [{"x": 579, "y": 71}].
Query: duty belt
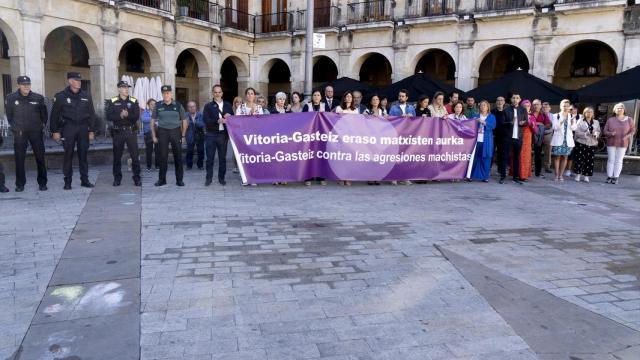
[{"x": 121, "y": 128}]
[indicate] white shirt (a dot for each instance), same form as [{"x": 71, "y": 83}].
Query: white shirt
[
  {"x": 220, "y": 104},
  {"x": 339, "y": 110},
  {"x": 515, "y": 123},
  {"x": 481, "y": 130},
  {"x": 403, "y": 107}
]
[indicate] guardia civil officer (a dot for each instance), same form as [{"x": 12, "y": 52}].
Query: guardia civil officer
[
  {"x": 73, "y": 121},
  {"x": 27, "y": 115},
  {"x": 123, "y": 111},
  {"x": 171, "y": 129}
]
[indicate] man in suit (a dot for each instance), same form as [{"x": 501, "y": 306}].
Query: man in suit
[
  {"x": 330, "y": 103},
  {"x": 402, "y": 108},
  {"x": 195, "y": 135},
  {"x": 515, "y": 121},
  {"x": 216, "y": 136}
]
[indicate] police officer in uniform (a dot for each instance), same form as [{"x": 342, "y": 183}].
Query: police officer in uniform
[
  {"x": 73, "y": 121},
  {"x": 123, "y": 112},
  {"x": 171, "y": 129},
  {"x": 27, "y": 115}
]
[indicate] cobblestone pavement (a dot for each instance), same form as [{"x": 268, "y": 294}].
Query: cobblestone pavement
[{"x": 290, "y": 272}]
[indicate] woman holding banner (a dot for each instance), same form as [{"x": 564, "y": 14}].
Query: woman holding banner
[
  {"x": 438, "y": 109},
  {"x": 484, "y": 146},
  {"x": 316, "y": 105},
  {"x": 422, "y": 108},
  {"x": 296, "y": 103},
  {"x": 279, "y": 107},
  {"x": 375, "y": 108},
  {"x": 346, "y": 105},
  {"x": 458, "y": 111}
]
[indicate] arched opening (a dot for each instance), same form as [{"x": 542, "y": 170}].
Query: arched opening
[
  {"x": 279, "y": 79},
  {"x": 5, "y": 69},
  {"x": 500, "y": 61},
  {"x": 65, "y": 51},
  {"x": 324, "y": 70},
  {"x": 187, "y": 82},
  {"x": 138, "y": 58},
  {"x": 376, "y": 71},
  {"x": 229, "y": 80},
  {"x": 583, "y": 64},
  {"x": 439, "y": 65}
]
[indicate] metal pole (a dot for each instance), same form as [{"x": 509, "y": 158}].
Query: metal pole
[{"x": 308, "y": 54}]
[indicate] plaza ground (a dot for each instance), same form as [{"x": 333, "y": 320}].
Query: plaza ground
[{"x": 436, "y": 271}]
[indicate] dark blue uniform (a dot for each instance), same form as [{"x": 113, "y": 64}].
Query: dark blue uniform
[
  {"x": 124, "y": 131},
  {"x": 27, "y": 116},
  {"x": 73, "y": 116}
]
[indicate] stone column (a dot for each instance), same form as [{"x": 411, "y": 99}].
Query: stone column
[
  {"x": 344, "y": 64},
  {"x": 254, "y": 75},
  {"x": 467, "y": 76},
  {"x": 33, "y": 52},
  {"x": 631, "y": 51},
  {"x": 297, "y": 72},
  {"x": 541, "y": 66}
]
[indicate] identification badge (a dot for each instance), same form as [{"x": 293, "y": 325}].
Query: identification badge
[
  {"x": 17, "y": 102},
  {"x": 68, "y": 101}
]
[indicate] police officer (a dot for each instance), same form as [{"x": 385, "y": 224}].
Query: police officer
[
  {"x": 27, "y": 115},
  {"x": 123, "y": 112},
  {"x": 171, "y": 129},
  {"x": 73, "y": 120}
]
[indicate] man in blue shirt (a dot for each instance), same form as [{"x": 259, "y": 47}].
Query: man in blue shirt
[{"x": 402, "y": 108}]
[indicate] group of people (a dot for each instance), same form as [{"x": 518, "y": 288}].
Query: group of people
[{"x": 524, "y": 134}]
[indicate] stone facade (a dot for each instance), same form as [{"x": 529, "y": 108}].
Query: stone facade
[{"x": 464, "y": 34}]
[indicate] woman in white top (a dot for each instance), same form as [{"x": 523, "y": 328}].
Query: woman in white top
[
  {"x": 296, "y": 103},
  {"x": 347, "y": 106},
  {"x": 458, "y": 111},
  {"x": 437, "y": 108},
  {"x": 563, "y": 125},
  {"x": 249, "y": 106},
  {"x": 375, "y": 108}
]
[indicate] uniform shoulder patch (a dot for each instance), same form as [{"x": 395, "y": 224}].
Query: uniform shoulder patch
[
  {"x": 133, "y": 100},
  {"x": 114, "y": 99}
]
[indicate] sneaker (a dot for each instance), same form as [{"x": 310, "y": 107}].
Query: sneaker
[
  {"x": 394, "y": 183},
  {"x": 577, "y": 178},
  {"x": 323, "y": 183},
  {"x": 567, "y": 173},
  {"x": 408, "y": 182},
  {"x": 3, "y": 189},
  {"x": 501, "y": 181},
  {"x": 307, "y": 183},
  {"x": 614, "y": 181},
  {"x": 608, "y": 180},
  {"x": 586, "y": 179}
]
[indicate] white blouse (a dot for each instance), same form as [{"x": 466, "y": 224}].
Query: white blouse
[
  {"x": 244, "y": 110},
  {"x": 347, "y": 111}
]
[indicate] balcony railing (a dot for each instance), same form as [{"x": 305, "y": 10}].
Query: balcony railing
[
  {"x": 324, "y": 17},
  {"x": 239, "y": 20},
  {"x": 425, "y": 8},
  {"x": 163, "y": 5},
  {"x": 369, "y": 11},
  {"x": 203, "y": 10},
  {"x": 497, "y": 5},
  {"x": 274, "y": 22}
]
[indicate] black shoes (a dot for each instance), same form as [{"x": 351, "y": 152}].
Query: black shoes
[
  {"x": 180, "y": 183},
  {"x": 614, "y": 181},
  {"x": 42, "y": 187},
  {"x": 519, "y": 182},
  {"x": 609, "y": 180},
  {"x": 87, "y": 184},
  {"x": 222, "y": 182},
  {"x": 3, "y": 189},
  {"x": 19, "y": 188},
  {"x": 207, "y": 182},
  {"x": 67, "y": 186},
  {"x": 137, "y": 182},
  {"x": 501, "y": 181},
  {"x": 160, "y": 183},
  {"x": 116, "y": 182}
]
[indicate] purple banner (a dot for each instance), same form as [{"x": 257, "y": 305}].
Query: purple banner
[{"x": 299, "y": 146}]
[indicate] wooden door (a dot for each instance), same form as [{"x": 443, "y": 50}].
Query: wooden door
[
  {"x": 237, "y": 14},
  {"x": 322, "y": 14},
  {"x": 274, "y": 15}
]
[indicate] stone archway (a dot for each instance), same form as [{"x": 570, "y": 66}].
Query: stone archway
[{"x": 584, "y": 63}]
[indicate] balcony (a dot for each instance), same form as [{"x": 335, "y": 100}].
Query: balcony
[
  {"x": 369, "y": 11},
  {"x": 500, "y": 5},
  {"x": 588, "y": 5},
  {"x": 202, "y": 10},
  {"x": 237, "y": 20},
  {"x": 273, "y": 23},
  {"x": 430, "y": 8},
  {"x": 160, "y": 5},
  {"x": 325, "y": 17}
]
